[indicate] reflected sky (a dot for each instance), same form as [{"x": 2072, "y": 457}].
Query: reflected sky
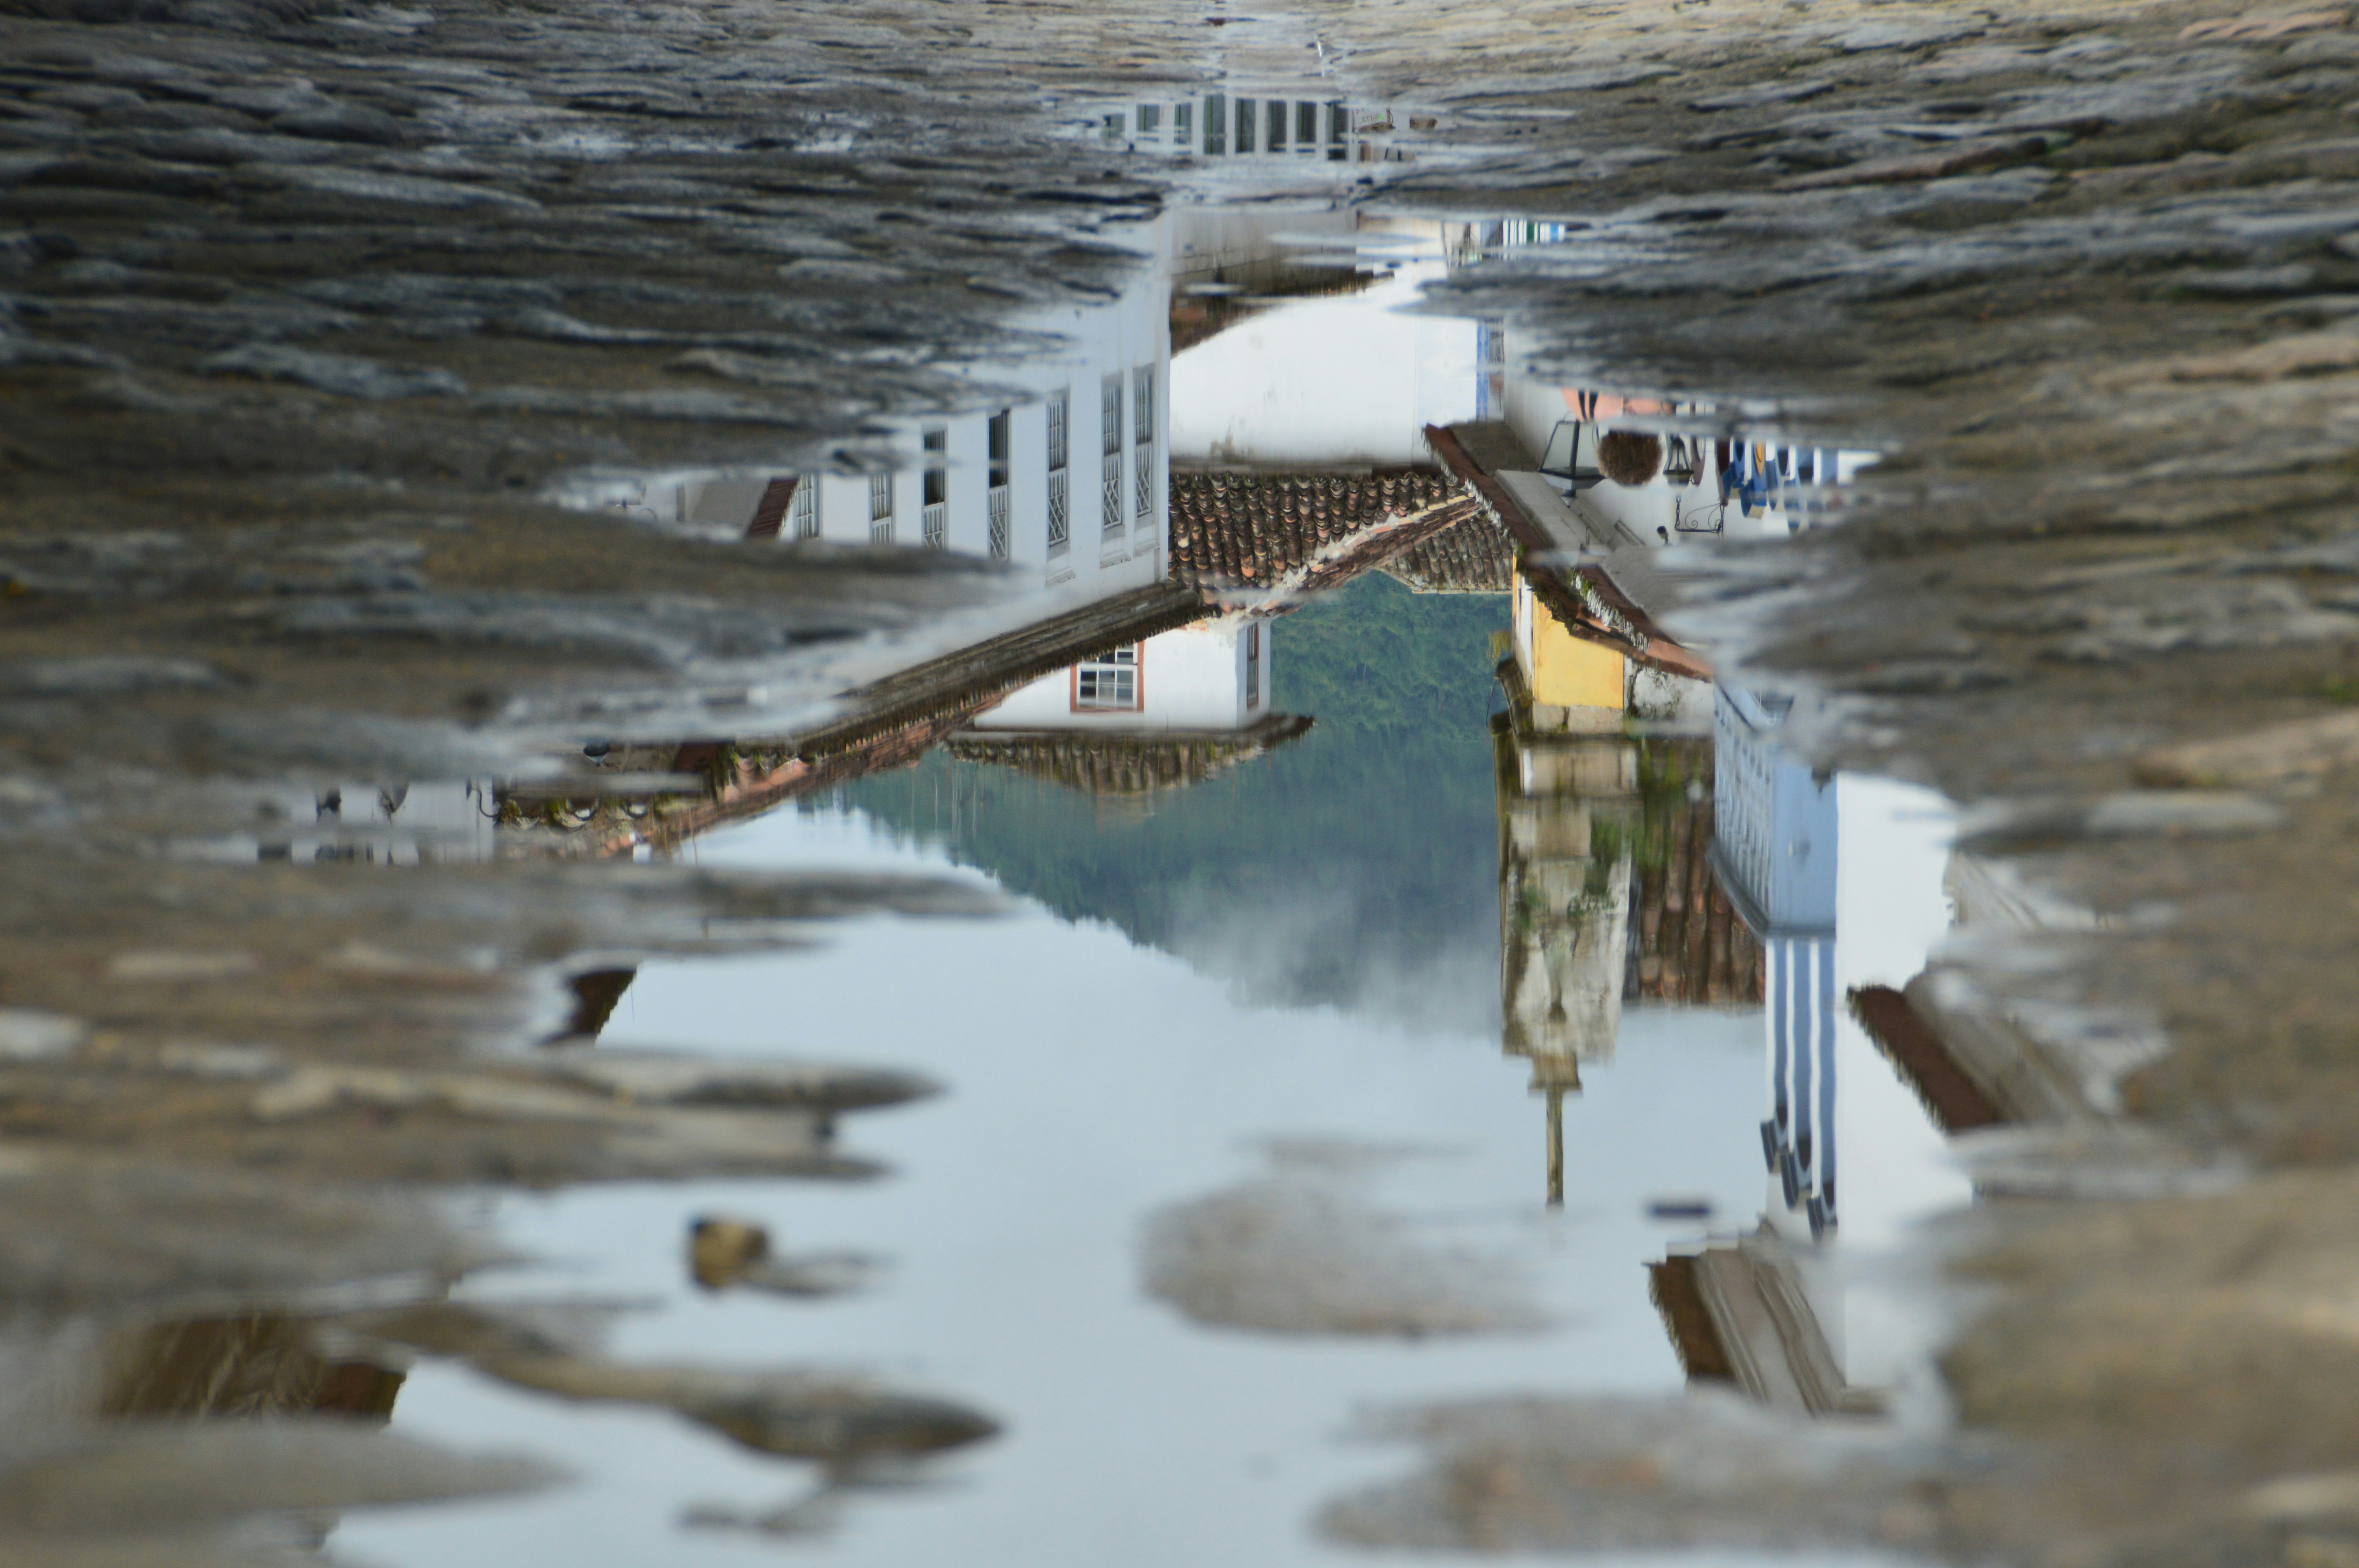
[{"x": 1095, "y": 1081}]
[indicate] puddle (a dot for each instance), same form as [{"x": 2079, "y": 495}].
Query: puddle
[{"x": 1546, "y": 948}]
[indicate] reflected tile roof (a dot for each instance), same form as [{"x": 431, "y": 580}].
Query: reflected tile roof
[
  {"x": 1235, "y": 531},
  {"x": 1127, "y": 763}
]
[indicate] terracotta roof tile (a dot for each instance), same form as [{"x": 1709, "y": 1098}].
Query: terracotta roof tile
[{"x": 1232, "y": 530}]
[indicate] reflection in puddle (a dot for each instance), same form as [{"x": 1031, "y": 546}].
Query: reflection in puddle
[{"x": 1361, "y": 709}]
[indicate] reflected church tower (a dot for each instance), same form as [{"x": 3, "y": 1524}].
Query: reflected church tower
[{"x": 1606, "y": 897}]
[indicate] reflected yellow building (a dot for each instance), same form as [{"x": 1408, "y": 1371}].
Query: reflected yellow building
[
  {"x": 1570, "y": 683},
  {"x": 1603, "y": 834},
  {"x": 1568, "y": 791}
]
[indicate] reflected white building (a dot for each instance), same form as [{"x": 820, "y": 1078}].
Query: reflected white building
[
  {"x": 1065, "y": 480},
  {"x": 1350, "y": 380},
  {"x": 1240, "y": 123},
  {"x": 1843, "y": 879},
  {"x": 1207, "y": 678}
]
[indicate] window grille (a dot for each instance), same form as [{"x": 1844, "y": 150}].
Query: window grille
[
  {"x": 999, "y": 448},
  {"x": 1060, "y": 503},
  {"x": 1183, "y": 123},
  {"x": 937, "y": 479},
  {"x": 1142, "y": 437},
  {"x": 806, "y": 508},
  {"x": 1110, "y": 446},
  {"x": 880, "y": 508}
]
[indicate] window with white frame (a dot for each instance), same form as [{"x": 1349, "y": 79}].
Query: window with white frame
[
  {"x": 880, "y": 508},
  {"x": 1110, "y": 447},
  {"x": 1142, "y": 439},
  {"x": 936, "y": 484},
  {"x": 1108, "y": 683},
  {"x": 805, "y": 509},
  {"x": 998, "y": 492},
  {"x": 1060, "y": 409}
]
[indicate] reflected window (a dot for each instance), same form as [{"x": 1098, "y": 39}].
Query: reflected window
[
  {"x": 1060, "y": 408},
  {"x": 1306, "y": 126},
  {"x": 1150, "y": 119},
  {"x": 805, "y": 510},
  {"x": 999, "y": 499},
  {"x": 938, "y": 479},
  {"x": 1142, "y": 439},
  {"x": 1217, "y": 123},
  {"x": 936, "y": 484},
  {"x": 1253, "y": 664},
  {"x": 1108, "y": 683},
  {"x": 1183, "y": 122},
  {"x": 880, "y": 508},
  {"x": 1110, "y": 447},
  {"x": 1273, "y": 120},
  {"x": 1245, "y": 124}
]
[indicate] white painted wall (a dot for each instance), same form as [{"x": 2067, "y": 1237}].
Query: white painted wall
[
  {"x": 1122, "y": 337},
  {"x": 1243, "y": 244},
  {"x": 1327, "y": 381},
  {"x": 1191, "y": 678}
]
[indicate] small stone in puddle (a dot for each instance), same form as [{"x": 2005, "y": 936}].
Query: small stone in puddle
[
  {"x": 720, "y": 1249},
  {"x": 723, "y": 1251}
]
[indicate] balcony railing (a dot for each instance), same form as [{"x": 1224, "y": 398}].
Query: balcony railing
[
  {"x": 938, "y": 525},
  {"x": 998, "y": 522},
  {"x": 1114, "y": 518},
  {"x": 1061, "y": 530}
]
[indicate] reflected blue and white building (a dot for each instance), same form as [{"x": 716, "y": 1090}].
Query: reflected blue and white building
[{"x": 1776, "y": 847}]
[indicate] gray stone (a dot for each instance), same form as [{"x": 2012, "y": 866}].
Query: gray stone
[
  {"x": 346, "y": 375},
  {"x": 109, "y": 674},
  {"x": 406, "y": 189}
]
